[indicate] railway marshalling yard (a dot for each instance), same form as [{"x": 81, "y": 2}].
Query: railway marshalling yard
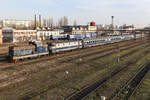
[{"x": 117, "y": 71}]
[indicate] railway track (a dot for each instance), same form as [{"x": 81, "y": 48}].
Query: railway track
[
  {"x": 109, "y": 50},
  {"x": 106, "y": 52},
  {"x": 130, "y": 87},
  {"x": 33, "y": 61},
  {"x": 109, "y": 88},
  {"x": 22, "y": 73},
  {"x": 3, "y": 57},
  {"x": 44, "y": 90},
  {"x": 87, "y": 90},
  {"x": 121, "y": 49},
  {"x": 83, "y": 93},
  {"x": 31, "y": 72},
  {"x": 113, "y": 73},
  {"x": 79, "y": 54}
]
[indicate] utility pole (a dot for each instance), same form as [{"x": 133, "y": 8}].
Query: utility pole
[
  {"x": 118, "y": 56},
  {"x": 133, "y": 32}
]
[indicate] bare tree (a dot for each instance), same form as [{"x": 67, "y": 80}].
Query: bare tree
[
  {"x": 56, "y": 24},
  {"x": 65, "y": 21},
  {"x": 51, "y": 22},
  {"x": 48, "y": 22},
  {"x": 44, "y": 23},
  {"x": 75, "y": 23},
  {"x": 60, "y": 22}
]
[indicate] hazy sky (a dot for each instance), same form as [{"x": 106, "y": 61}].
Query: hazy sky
[{"x": 125, "y": 11}]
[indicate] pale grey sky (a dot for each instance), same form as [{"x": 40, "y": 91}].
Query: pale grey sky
[{"x": 125, "y": 11}]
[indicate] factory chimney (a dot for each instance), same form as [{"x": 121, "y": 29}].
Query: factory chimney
[
  {"x": 39, "y": 20},
  {"x": 112, "y": 17},
  {"x": 35, "y": 24}
]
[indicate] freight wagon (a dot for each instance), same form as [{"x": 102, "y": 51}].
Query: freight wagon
[{"x": 34, "y": 49}]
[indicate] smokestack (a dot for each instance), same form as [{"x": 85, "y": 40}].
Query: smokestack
[
  {"x": 35, "y": 25},
  {"x": 112, "y": 17},
  {"x": 39, "y": 20}
]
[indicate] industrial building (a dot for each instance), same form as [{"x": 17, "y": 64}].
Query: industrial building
[
  {"x": 81, "y": 29},
  {"x": 18, "y": 24},
  {"x": 45, "y": 34},
  {"x": 14, "y": 35},
  {"x": 1, "y": 36},
  {"x": 131, "y": 27}
]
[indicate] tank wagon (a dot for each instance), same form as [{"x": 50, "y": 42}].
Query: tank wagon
[{"x": 36, "y": 48}]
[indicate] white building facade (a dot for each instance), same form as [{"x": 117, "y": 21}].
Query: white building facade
[
  {"x": 45, "y": 34},
  {"x": 13, "y": 35}
]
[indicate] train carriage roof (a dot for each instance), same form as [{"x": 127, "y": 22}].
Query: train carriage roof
[{"x": 63, "y": 41}]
